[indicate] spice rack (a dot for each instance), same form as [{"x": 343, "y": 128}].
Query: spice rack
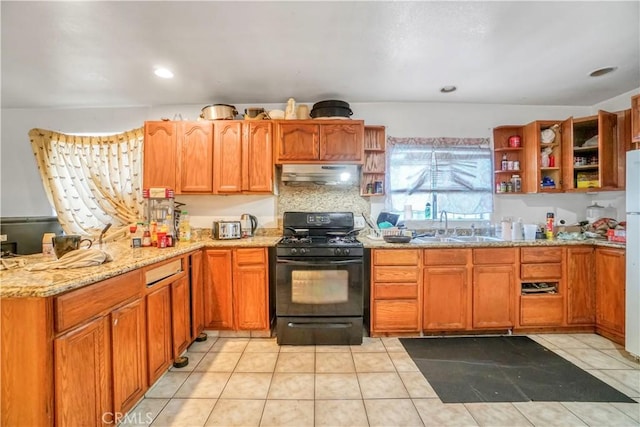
[
  {"x": 507, "y": 175},
  {"x": 373, "y": 167}
]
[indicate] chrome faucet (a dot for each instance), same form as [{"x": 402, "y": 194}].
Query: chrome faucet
[
  {"x": 446, "y": 222},
  {"x": 473, "y": 230}
]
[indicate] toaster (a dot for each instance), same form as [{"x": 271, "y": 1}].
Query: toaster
[{"x": 223, "y": 230}]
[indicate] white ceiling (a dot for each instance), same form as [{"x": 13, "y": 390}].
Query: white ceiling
[{"x": 90, "y": 54}]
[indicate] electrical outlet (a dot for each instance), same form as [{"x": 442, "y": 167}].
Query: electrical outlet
[
  {"x": 358, "y": 222},
  {"x": 3, "y": 237}
]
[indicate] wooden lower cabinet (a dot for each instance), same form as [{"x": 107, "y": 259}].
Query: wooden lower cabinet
[
  {"x": 237, "y": 289},
  {"x": 610, "y": 293},
  {"x": 128, "y": 341},
  {"x": 159, "y": 344},
  {"x": 542, "y": 265},
  {"x": 395, "y": 291},
  {"x": 197, "y": 294},
  {"x": 83, "y": 375},
  {"x": 581, "y": 292},
  {"x": 493, "y": 288},
  {"x": 446, "y": 279},
  {"x": 180, "y": 315}
]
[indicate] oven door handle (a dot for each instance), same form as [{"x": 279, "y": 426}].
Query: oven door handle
[{"x": 315, "y": 263}]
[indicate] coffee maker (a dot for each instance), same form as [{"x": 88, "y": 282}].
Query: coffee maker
[{"x": 248, "y": 224}]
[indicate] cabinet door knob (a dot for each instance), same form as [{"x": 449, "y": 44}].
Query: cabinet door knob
[{"x": 115, "y": 322}]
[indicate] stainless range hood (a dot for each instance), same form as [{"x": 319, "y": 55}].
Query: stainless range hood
[{"x": 320, "y": 174}]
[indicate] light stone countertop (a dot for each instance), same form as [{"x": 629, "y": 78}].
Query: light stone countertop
[{"x": 21, "y": 283}]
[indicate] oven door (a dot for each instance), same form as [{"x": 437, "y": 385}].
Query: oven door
[{"x": 319, "y": 287}]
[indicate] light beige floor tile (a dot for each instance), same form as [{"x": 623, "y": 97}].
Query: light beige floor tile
[
  {"x": 632, "y": 410},
  {"x": 337, "y": 386},
  {"x": 257, "y": 362},
  {"x": 623, "y": 356},
  {"x": 261, "y": 334},
  {"x": 203, "y": 385},
  {"x": 184, "y": 412},
  {"x": 333, "y": 349},
  {"x": 496, "y": 414},
  {"x": 144, "y": 412},
  {"x": 435, "y": 413},
  {"x": 202, "y": 346},
  {"x": 382, "y": 385},
  {"x": 297, "y": 349},
  {"x": 233, "y": 345},
  {"x": 340, "y": 413},
  {"x": 262, "y": 345},
  {"x": 392, "y": 413},
  {"x": 548, "y": 414},
  {"x": 243, "y": 385},
  {"x": 334, "y": 362},
  {"x": 373, "y": 362},
  {"x": 291, "y": 386},
  {"x": 194, "y": 359},
  {"x": 540, "y": 340},
  {"x": 596, "y": 341},
  {"x": 296, "y": 362},
  {"x": 295, "y": 413},
  {"x": 167, "y": 385},
  {"x": 599, "y": 414},
  {"x": 235, "y": 334},
  {"x": 369, "y": 345},
  {"x": 236, "y": 413},
  {"x": 393, "y": 344},
  {"x": 564, "y": 341},
  {"x": 573, "y": 359},
  {"x": 602, "y": 375},
  {"x": 417, "y": 386},
  {"x": 628, "y": 377},
  {"x": 402, "y": 361},
  {"x": 596, "y": 358},
  {"x": 218, "y": 362}
]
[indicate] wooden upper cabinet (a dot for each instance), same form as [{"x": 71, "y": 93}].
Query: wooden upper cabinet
[
  {"x": 227, "y": 156},
  {"x": 195, "y": 157},
  {"x": 160, "y": 139},
  {"x": 243, "y": 157},
  {"x": 307, "y": 141},
  {"x": 342, "y": 142},
  {"x": 257, "y": 157},
  {"x": 535, "y": 170},
  {"x": 592, "y": 158},
  {"x": 635, "y": 121}
]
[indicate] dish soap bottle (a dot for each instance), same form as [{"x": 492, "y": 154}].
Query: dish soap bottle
[{"x": 427, "y": 211}]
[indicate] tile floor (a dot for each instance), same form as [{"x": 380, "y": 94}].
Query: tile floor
[{"x": 254, "y": 382}]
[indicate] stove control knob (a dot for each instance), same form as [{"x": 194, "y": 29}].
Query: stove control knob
[
  {"x": 338, "y": 251},
  {"x": 345, "y": 251},
  {"x": 294, "y": 251},
  {"x": 303, "y": 251}
]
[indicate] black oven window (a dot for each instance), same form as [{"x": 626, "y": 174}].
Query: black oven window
[{"x": 319, "y": 286}]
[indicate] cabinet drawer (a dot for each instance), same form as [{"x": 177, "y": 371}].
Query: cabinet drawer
[
  {"x": 77, "y": 306},
  {"x": 540, "y": 271},
  {"x": 396, "y": 274},
  {"x": 541, "y": 310},
  {"x": 395, "y": 291},
  {"x": 397, "y": 315},
  {"x": 547, "y": 254},
  {"x": 396, "y": 257},
  {"x": 250, "y": 256},
  {"x": 446, "y": 256},
  {"x": 494, "y": 256}
]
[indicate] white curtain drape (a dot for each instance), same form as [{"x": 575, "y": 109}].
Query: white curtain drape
[{"x": 91, "y": 181}]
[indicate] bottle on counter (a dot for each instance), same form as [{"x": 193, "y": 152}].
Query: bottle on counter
[
  {"x": 184, "y": 227},
  {"x": 427, "y": 211},
  {"x": 549, "y": 226},
  {"x": 146, "y": 237}
]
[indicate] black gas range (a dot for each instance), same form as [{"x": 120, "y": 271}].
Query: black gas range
[{"x": 319, "y": 280}]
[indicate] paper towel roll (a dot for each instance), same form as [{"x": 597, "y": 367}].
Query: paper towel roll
[
  {"x": 506, "y": 230},
  {"x": 516, "y": 231}
]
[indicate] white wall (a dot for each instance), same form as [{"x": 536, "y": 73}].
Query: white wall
[{"x": 22, "y": 193}]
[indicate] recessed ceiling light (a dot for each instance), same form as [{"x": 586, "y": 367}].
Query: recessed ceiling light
[
  {"x": 602, "y": 71},
  {"x": 163, "y": 72},
  {"x": 448, "y": 89}
]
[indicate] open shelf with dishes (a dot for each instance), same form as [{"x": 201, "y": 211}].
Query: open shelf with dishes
[
  {"x": 508, "y": 159},
  {"x": 543, "y": 157},
  {"x": 374, "y": 165}
]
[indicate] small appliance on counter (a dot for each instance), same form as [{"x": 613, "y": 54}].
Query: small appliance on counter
[
  {"x": 248, "y": 225},
  {"x": 224, "y": 230}
]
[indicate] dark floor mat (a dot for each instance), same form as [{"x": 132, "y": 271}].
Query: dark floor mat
[{"x": 503, "y": 369}]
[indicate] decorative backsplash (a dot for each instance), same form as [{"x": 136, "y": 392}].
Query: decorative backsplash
[{"x": 321, "y": 198}]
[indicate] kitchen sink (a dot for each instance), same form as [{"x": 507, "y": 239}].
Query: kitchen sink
[
  {"x": 458, "y": 239},
  {"x": 431, "y": 239}
]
